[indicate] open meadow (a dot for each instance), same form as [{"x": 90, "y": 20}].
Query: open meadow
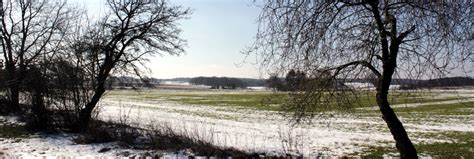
[{"x": 440, "y": 122}]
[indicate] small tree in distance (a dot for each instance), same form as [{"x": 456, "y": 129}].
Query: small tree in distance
[
  {"x": 349, "y": 40},
  {"x": 276, "y": 83},
  {"x": 295, "y": 80}
]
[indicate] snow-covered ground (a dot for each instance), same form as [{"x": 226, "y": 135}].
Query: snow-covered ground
[
  {"x": 249, "y": 130},
  {"x": 57, "y": 146},
  {"x": 52, "y": 146},
  {"x": 269, "y": 132}
]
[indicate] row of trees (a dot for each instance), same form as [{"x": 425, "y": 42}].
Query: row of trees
[
  {"x": 219, "y": 82},
  {"x": 57, "y": 62},
  {"x": 298, "y": 81},
  {"x": 293, "y": 81}
]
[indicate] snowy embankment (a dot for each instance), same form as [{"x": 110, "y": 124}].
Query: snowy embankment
[{"x": 55, "y": 146}]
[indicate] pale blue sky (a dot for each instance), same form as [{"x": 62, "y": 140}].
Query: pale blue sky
[{"x": 216, "y": 32}]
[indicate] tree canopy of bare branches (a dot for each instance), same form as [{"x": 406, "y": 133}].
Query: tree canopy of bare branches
[
  {"x": 30, "y": 30},
  {"x": 376, "y": 39},
  {"x": 124, "y": 39}
]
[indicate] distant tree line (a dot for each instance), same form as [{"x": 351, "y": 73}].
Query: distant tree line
[
  {"x": 178, "y": 79},
  {"x": 298, "y": 81},
  {"x": 293, "y": 81},
  {"x": 219, "y": 82},
  {"x": 253, "y": 82},
  {"x": 440, "y": 82},
  {"x": 122, "y": 82}
]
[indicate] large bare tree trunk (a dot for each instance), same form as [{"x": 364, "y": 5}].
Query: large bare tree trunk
[
  {"x": 39, "y": 110},
  {"x": 14, "y": 97},
  {"x": 15, "y": 79},
  {"x": 13, "y": 85},
  {"x": 86, "y": 114},
  {"x": 403, "y": 143}
]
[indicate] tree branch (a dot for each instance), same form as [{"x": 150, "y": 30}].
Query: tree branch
[
  {"x": 405, "y": 33},
  {"x": 355, "y": 63}
]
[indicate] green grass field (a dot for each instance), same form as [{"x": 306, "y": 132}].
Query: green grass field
[
  {"x": 263, "y": 100},
  {"x": 461, "y": 147}
]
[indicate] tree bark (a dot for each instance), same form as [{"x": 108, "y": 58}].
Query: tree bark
[
  {"x": 15, "y": 77},
  {"x": 403, "y": 143},
  {"x": 40, "y": 111},
  {"x": 14, "y": 98},
  {"x": 86, "y": 114}
]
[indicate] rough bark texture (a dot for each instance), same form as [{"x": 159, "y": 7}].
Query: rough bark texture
[{"x": 403, "y": 142}]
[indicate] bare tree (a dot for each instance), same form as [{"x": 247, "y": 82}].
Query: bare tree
[
  {"x": 377, "y": 39},
  {"x": 29, "y": 30},
  {"x": 124, "y": 39}
]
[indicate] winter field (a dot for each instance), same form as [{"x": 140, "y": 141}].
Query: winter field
[{"x": 440, "y": 122}]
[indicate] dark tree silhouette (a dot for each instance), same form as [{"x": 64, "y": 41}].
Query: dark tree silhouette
[
  {"x": 219, "y": 82},
  {"x": 29, "y": 30},
  {"x": 295, "y": 80},
  {"x": 123, "y": 39},
  {"x": 379, "y": 39},
  {"x": 275, "y": 82}
]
